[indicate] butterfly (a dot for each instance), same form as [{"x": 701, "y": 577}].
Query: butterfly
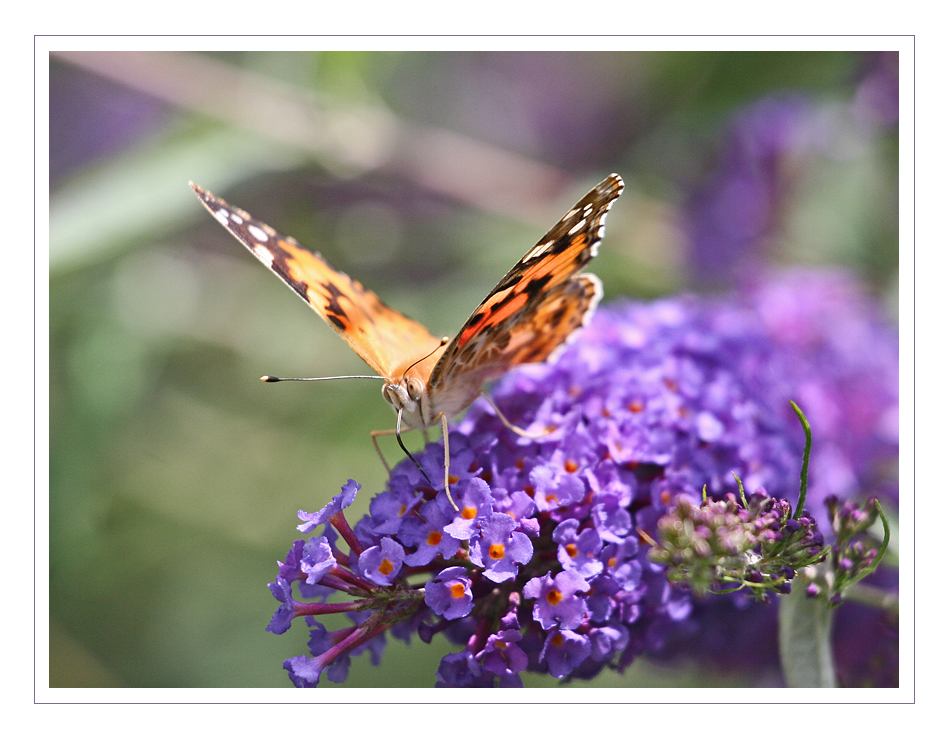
[{"x": 527, "y": 317}]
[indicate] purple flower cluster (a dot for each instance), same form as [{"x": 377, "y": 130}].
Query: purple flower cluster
[{"x": 541, "y": 568}]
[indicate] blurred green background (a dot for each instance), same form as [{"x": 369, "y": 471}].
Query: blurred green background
[{"x": 175, "y": 475}]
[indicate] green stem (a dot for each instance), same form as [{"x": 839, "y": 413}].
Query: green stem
[
  {"x": 805, "y": 639},
  {"x": 880, "y": 552},
  {"x": 874, "y": 597}
]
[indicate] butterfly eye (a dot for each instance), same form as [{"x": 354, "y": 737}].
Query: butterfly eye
[{"x": 414, "y": 386}]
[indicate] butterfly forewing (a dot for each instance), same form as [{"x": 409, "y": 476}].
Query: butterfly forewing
[
  {"x": 385, "y": 338},
  {"x": 534, "y": 310}
]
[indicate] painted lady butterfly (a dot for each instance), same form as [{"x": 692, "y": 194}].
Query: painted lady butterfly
[{"x": 527, "y": 317}]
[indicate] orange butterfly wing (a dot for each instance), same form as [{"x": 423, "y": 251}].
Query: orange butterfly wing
[
  {"x": 533, "y": 311},
  {"x": 387, "y": 340}
]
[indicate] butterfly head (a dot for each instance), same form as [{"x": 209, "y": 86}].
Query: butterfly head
[{"x": 407, "y": 395}]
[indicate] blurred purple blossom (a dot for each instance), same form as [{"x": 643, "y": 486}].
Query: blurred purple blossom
[
  {"x": 734, "y": 217},
  {"x": 730, "y": 217}
]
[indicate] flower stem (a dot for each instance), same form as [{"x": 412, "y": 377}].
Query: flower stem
[{"x": 805, "y": 640}]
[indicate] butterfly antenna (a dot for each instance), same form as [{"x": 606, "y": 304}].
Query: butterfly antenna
[
  {"x": 271, "y": 378},
  {"x": 406, "y": 451},
  {"x": 442, "y": 342}
]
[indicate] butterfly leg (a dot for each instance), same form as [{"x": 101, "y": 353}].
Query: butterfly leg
[
  {"x": 445, "y": 440},
  {"x": 509, "y": 425},
  {"x": 374, "y": 435}
]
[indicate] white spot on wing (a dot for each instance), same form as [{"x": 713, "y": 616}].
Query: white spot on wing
[
  {"x": 258, "y": 233},
  {"x": 538, "y": 250},
  {"x": 263, "y": 254},
  {"x": 237, "y": 219},
  {"x": 221, "y": 216},
  {"x": 577, "y": 227}
]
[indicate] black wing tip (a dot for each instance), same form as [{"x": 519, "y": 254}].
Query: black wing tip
[
  {"x": 207, "y": 197},
  {"x": 203, "y": 195},
  {"x": 613, "y": 184}
]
